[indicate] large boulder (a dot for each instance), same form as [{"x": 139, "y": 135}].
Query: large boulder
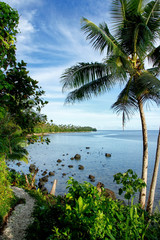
[
  {"x": 105, "y": 191},
  {"x": 44, "y": 179}
]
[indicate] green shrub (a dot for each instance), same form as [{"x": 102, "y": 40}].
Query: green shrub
[
  {"x": 153, "y": 232},
  {"x": 130, "y": 182},
  {"x": 84, "y": 214},
  {"x": 6, "y": 195},
  {"x": 17, "y": 178},
  {"x": 87, "y": 215}
]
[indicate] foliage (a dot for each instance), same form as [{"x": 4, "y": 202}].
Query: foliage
[
  {"x": 8, "y": 30},
  {"x": 154, "y": 228},
  {"x": 18, "y": 179},
  {"x": 131, "y": 183},
  {"x": 20, "y": 103},
  {"x": 7, "y": 198},
  {"x": 21, "y": 96},
  {"x": 51, "y": 127},
  {"x": 12, "y": 141},
  {"x": 84, "y": 214}
]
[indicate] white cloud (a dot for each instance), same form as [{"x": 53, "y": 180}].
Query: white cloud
[
  {"x": 21, "y": 3},
  {"x": 26, "y": 30},
  {"x": 54, "y": 96}
]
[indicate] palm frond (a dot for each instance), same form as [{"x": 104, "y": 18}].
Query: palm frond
[
  {"x": 118, "y": 13},
  {"x": 100, "y": 37},
  {"x": 148, "y": 88},
  {"x": 93, "y": 88},
  {"x": 135, "y": 36},
  {"x": 152, "y": 14},
  {"x": 134, "y": 7},
  {"x": 152, "y": 19},
  {"x": 119, "y": 67},
  {"x": 154, "y": 56},
  {"x": 126, "y": 102},
  {"x": 154, "y": 71},
  {"x": 81, "y": 74}
]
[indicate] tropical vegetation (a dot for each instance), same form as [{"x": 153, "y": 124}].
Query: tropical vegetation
[
  {"x": 53, "y": 128},
  {"x": 83, "y": 213},
  {"x": 86, "y": 214},
  {"x": 135, "y": 31},
  {"x": 20, "y": 102}
]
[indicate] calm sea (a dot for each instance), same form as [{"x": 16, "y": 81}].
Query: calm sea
[{"x": 125, "y": 147}]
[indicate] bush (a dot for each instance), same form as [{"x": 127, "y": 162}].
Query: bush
[
  {"x": 6, "y": 195},
  {"x": 84, "y": 214},
  {"x": 87, "y": 215}
]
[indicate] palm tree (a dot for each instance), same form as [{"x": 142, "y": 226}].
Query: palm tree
[
  {"x": 136, "y": 26},
  {"x": 150, "y": 202}
]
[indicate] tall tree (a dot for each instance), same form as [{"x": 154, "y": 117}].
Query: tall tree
[
  {"x": 136, "y": 27},
  {"x": 20, "y": 96}
]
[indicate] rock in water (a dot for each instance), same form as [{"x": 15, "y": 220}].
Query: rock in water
[
  {"x": 92, "y": 177},
  {"x": 59, "y": 160},
  {"x": 105, "y": 191},
  {"x": 107, "y": 154},
  {"x": 32, "y": 168},
  {"x": 80, "y": 167},
  {"x": 70, "y": 166},
  {"x": 77, "y": 156},
  {"x": 51, "y": 173}
]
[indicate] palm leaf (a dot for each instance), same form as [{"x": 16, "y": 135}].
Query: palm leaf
[
  {"x": 100, "y": 37},
  {"x": 152, "y": 14},
  {"x": 154, "y": 71},
  {"x": 119, "y": 67},
  {"x": 95, "y": 88},
  {"x": 154, "y": 56},
  {"x": 148, "y": 88},
  {"x": 81, "y": 74},
  {"x": 126, "y": 102},
  {"x": 118, "y": 13}
]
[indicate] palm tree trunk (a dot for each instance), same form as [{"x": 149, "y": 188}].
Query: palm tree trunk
[
  {"x": 154, "y": 178},
  {"x": 142, "y": 198}
]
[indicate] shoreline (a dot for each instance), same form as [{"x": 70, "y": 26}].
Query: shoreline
[{"x": 48, "y": 133}]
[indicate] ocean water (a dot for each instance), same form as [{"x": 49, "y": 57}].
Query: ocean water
[{"x": 125, "y": 148}]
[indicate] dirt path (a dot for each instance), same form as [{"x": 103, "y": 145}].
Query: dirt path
[{"x": 20, "y": 218}]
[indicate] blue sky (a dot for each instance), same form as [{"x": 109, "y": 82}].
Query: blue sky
[{"x": 51, "y": 41}]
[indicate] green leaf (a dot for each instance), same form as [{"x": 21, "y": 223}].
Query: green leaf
[{"x": 80, "y": 204}]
